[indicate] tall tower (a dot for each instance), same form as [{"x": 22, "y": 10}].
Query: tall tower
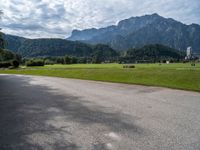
[{"x": 189, "y": 52}]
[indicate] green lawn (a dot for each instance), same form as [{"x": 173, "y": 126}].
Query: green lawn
[{"x": 179, "y": 76}]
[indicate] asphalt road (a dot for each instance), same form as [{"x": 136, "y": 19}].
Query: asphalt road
[{"x": 43, "y": 113}]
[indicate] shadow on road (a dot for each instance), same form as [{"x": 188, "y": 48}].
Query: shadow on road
[{"x": 37, "y": 117}]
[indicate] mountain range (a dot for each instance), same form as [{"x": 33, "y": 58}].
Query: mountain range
[
  {"x": 46, "y": 47},
  {"x": 131, "y": 33},
  {"x": 139, "y": 31}
]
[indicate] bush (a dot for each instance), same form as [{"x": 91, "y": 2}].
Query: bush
[
  {"x": 30, "y": 63},
  {"x": 74, "y": 60},
  {"x": 49, "y": 62},
  {"x": 5, "y": 64},
  {"x": 9, "y": 64},
  {"x": 67, "y": 60},
  {"x": 129, "y": 66},
  {"x": 15, "y": 63},
  {"x": 82, "y": 60}
]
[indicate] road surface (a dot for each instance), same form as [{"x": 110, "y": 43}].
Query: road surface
[{"x": 44, "y": 113}]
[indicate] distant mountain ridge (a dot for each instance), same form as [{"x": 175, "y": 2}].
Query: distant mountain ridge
[
  {"x": 45, "y": 47},
  {"x": 131, "y": 33},
  {"x": 139, "y": 31},
  {"x": 13, "y": 42},
  {"x": 98, "y": 53}
]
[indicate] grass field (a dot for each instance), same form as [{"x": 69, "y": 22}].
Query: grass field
[{"x": 178, "y": 76}]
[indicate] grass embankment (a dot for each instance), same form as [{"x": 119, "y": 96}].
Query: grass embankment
[{"x": 179, "y": 76}]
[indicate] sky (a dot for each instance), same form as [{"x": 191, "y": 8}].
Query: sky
[{"x": 57, "y": 18}]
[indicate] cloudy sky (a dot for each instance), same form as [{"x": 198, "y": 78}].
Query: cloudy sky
[{"x": 57, "y": 18}]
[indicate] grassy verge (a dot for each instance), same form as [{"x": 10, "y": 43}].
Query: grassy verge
[{"x": 178, "y": 76}]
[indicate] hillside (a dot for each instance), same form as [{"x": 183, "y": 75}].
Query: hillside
[
  {"x": 13, "y": 42},
  {"x": 6, "y": 55},
  {"x": 57, "y": 47},
  {"x": 53, "y": 47},
  {"x": 99, "y": 52},
  {"x": 139, "y": 31},
  {"x": 153, "y": 53}
]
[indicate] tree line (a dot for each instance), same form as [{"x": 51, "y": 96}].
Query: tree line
[
  {"x": 153, "y": 53},
  {"x": 41, "y": 61}
]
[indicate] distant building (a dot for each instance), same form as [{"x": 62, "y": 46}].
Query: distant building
[{"x": 189, "y": 53}]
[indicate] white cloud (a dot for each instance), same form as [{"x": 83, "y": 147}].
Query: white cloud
[{"x": 57, "y": 18}]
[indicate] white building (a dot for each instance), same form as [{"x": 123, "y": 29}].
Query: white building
[{"x": 189, "y": 53}]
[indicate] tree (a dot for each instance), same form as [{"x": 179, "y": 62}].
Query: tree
[
  {"x": 74, "y": 60},
  {"x": 2, "y": 43},
  {"x": 60, "y": 60},
  {"x": 15, "y": 63},
  {"x": 67, "y": 60}
]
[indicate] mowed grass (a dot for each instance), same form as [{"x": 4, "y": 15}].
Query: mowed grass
[{"x": 178, "y": 76}]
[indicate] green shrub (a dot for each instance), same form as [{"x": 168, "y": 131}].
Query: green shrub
[
  {"x": 36, "y": 62},
  {"x": 15, "y": 63},
  {"x": 129, "y": 66},
  {"x": 49, "y": 62},
  {"x": 8, "y": 64},
  {"x": 5, "y": 64}
]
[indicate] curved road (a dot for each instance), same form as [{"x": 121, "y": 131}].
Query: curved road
[{"x": 44, "y": 113}]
